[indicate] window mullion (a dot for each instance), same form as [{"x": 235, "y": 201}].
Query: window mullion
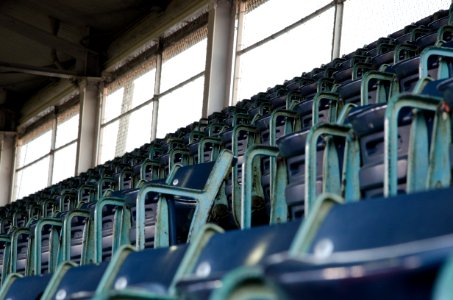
[
  {"x": 237, "y": 61},
  {"x": 157, "y": 79},
  {"x": 52, "y": 148},
  {"x": 338, "y": 24}
]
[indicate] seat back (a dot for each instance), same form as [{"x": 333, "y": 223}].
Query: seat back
[
  {"x": 368, "y": 124},
  {"x": 237, "y": 248},
  {"x": 28, "y": 288},
  {"x": 385, "y": 222},
  {"x": 154, "y": 268},
  {"x": 80, "y": 281},
  {"x": 193, "y": 177}
]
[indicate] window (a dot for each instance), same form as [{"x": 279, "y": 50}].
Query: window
[
  {"x": 65, "y": 155},
  {"x": 366, "y": 21},
  {"x": 274, "y": 48},
  {"x": 182, "y": 83},
  {"x": 127, "y": 112},
  {"x": 177, "y": 109},
  {"x": 263, "y": 19},
  {"x": 47, "y": 154}
]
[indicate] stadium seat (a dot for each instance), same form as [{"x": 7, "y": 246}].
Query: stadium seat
[
  {"x": 251, "y": 248},
  {"x": 410, "y": 228},
  {"x": 18, "y": 287}
]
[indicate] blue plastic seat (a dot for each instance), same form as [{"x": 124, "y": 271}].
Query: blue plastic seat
[
  {"x": 375, "y": 243},
  {"x": 368, "y": 124},
  {"x": 410, "y": 273},
  {"x": 152, "y": 271},
  {"x": 26, "y": 288},
  {"x": 248, "y": 248},
  {"x": 292, "y": 149},
  {"x": 76, "y": 282}
]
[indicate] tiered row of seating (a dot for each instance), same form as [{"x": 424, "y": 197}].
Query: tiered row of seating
[{"x": 261, "y": 200}]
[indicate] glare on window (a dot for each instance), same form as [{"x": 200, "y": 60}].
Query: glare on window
[{"x": 180, "y": 108}]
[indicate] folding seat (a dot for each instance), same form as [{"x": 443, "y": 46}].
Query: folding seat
[
  {"x": 67, "y": 281},
  {"x": 216, "y": 123},
  {"x": 352, "y": 68},
  {"x": 18, "y": 287},
  {"x": 132, "y": 274},
  {"x": 82, "y": 232},
  {"x": 316, "y": 96},
  {"x": 35, "y": 247},
  {"x": 326, "y": 70},
  {"x": 121, "y": 172},
  {"x": 278, "y": 122},
  {"x": 71, "y": 281},
  {"x": 215, "y": 267},
  {"x": 279, "y": 119},
  {"x": 405, "y": 33},
  {"x": 368, "y": 125},
  {"x": 205, "y": 149},
  {"x": 434, "y": 60},
  {"x": 61, "y": 235},
  {"x": 273, "y": 190},
  {"x": 196, "y": 142},
  {"x": 408, "y": 170},
  {"x": 431, "y": 170},
  {"x": 412, "y": 34},
  {"x": 292, "y": 149},
  {"x": 174, "y": 151},
  {"x": 5, "y": 238},
  {"x": 439, "y": 30},
  {"x": 237, "y": 137},
  {"x": 322, "y": 159},
  {"x": 25, "y": 212},
  {"x": 296, "y": 83},
  {"x": 394, "y": 247},
  {"x": 322, "y": 105},
  {"x": 170, "y": 213},
  {"x": 150, "y": 168},
  {"x": 381, "y": 52},
  {"x": 207, "y": 144},
  {"x": 133, "y": 161}
]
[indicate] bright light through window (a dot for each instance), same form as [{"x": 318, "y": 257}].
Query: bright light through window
[
  {"x": 112, "y": 105},
  {"x": 180, "y": 108},
  {"x": 183, "y": 66},
  {"x": 32, "y": 179},
  {"x": 139, "y": 130},
  {"x": 143, "y": 88},
  {"x": 33, "y": 157},
  {"x": 35, "y": 149},
  {"x": 133, "y": 127},
  {"x": 67, "y": 131},
  {"x": 287, "y": 56},
  {"x": 275, "y": 15},
  {"x": 108, "y": 141},
  {"x": 64, "y": 163},
  {"x": 366, "y": 21}
]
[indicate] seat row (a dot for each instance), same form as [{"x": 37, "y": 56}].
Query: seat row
[{"x": 408, "y": 252}]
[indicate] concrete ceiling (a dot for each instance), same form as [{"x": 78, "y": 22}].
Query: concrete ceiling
[{"x": 42, "y": 41}]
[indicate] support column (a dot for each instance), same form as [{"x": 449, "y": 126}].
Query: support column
[
  {"x": 7, "y": 150},
  {"x": 88, "y": 125},
  {"x": 219, "y": 56}
]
